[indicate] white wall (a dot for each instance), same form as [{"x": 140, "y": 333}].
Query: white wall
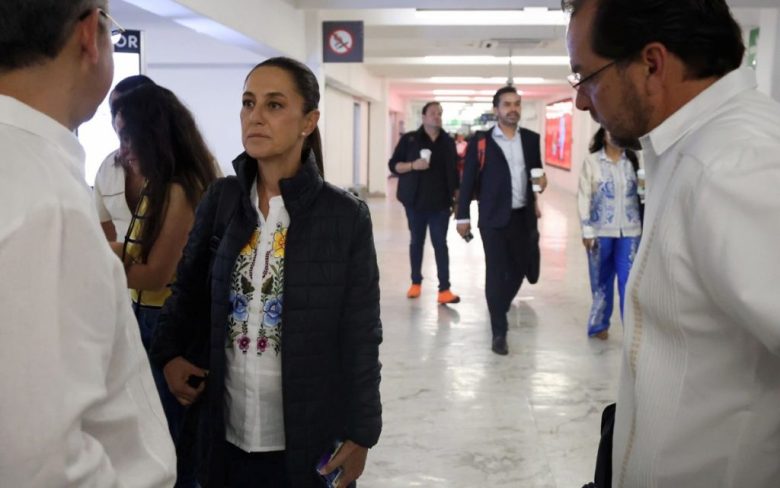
[
  {"x": 338, "y": 137},
  {"x": 356, "y": 83},
  {"x": 205, "y": 73},
  {"x": 214, "y": 96},
  {"x": 270, "y": 27},
  {"x": 767, "y": 63}
]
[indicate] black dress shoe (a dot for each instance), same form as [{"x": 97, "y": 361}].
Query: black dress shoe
[{"x": 499, "y": 345}]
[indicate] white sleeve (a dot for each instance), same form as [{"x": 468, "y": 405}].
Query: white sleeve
[
  {"x": 79, "y": 406},
  {"x": 734, "y": 235},
  {"x": 584, "y": 193},
  {"x": 97, "y": 193}
]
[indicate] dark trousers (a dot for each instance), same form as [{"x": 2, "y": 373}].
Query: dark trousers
[
  {"x": 255, "y": 469},
  {"x": 174, "y": 411},
  {"x": 507, "y": 253},
  {"x": 437, "y": 221}
]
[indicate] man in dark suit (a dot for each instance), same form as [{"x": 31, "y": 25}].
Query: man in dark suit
[
  {"x": 426, "y": 187},
  {"x": 501, "y": 178}
]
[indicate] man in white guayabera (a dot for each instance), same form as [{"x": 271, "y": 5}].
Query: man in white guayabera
[
  {"x": 700, "y": 383},
  {"x": 78, "y": 404}
]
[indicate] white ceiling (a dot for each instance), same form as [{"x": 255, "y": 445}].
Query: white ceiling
[{"x": 415, "y": 43}]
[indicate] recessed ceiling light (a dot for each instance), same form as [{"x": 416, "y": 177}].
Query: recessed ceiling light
[{"x": 453, "y": 92}]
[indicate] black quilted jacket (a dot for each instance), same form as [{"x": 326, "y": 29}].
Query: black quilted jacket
[{"x": 331, "y": 327}]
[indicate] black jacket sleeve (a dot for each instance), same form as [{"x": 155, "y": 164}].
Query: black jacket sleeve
[
  {"x": 399, "y": 154},
  {"x": 183, "y": 325},
  {"x": 535, "y": 150},
  {"x": 468, "y": 185},
  {"x": 361, "y": 336}
]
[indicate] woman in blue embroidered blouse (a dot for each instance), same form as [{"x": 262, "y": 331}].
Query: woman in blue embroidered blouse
[{"x": 609, "y": 211}]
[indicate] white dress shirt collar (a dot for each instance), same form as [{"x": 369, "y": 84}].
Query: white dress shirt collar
[
  {"x": 497, "y": 132},
  {"x": 17, "y": 114},
  {"x": 698, "y": 111}
]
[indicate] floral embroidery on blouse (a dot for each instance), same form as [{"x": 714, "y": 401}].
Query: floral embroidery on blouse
[{"x": 269, "y": 335}]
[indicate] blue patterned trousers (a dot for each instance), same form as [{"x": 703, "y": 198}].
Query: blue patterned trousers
[{"x": 612, "y": 256}]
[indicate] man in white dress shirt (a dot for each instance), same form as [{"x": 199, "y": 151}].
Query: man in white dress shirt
[
  {"x": 699, "y": 395},
  {"x": 78, "y": 405}
]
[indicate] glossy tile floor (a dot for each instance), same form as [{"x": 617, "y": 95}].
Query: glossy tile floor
[{"x": 457, "y": 415}]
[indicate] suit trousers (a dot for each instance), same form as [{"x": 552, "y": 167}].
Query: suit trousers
[{"x": 507, "y": 254}]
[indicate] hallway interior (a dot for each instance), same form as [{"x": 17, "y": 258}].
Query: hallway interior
[{"x": 458, "y": 415}]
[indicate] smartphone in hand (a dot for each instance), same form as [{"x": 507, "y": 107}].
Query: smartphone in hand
[{"x": 330, "y": 480}]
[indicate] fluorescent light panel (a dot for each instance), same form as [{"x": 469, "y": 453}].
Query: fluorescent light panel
[
  {"x": 499, "y": 60},
  {"x": 492, "y": 17},
  {"x": 477, "y": 80}
]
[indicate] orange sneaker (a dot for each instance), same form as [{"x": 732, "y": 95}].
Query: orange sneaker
[
  {"x": 414, "y": 291},
  {"x": 447, "y": 296}
]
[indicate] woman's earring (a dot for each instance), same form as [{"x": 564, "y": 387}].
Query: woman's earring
[{"x": 304, "y": 134}]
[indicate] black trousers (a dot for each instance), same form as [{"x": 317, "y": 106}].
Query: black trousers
[
  {"x": 255, "y": 470},
  {"x": 507, "y": 254}
]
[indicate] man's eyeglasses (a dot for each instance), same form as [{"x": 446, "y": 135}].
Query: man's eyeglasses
[
  {"x": 576, "y": 80},
  {"x": 116, "y": 29}
]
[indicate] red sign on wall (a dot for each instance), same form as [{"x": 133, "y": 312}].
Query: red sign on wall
[
  {"x": 557, "y": 137},
  {"x": 342, "y": 42}
]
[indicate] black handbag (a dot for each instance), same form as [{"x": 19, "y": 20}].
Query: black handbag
[{"x": 603, "y": 475}]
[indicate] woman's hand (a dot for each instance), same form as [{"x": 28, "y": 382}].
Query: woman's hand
[
  {"x": 589, "y": 243},
  {"x": 176, "y": 372},
  {"x": 117, "y": 247},
  {"x": 352, "y": 460}
]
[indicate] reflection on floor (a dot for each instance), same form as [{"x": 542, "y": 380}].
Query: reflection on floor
[{"x": 457, "y": 415}]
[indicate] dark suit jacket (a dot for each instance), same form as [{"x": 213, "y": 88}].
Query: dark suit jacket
[{"x": 493, "y": 182}]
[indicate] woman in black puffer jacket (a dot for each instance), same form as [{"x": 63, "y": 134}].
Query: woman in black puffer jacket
[{"x": 276, "y": 305}]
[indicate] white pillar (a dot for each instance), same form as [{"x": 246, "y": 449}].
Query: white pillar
[{"x": 767, "y": 63}]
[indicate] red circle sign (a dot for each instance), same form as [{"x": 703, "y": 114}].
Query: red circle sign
[{"x": 341, "y": 42}]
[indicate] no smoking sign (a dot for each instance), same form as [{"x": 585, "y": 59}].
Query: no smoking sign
[{"x": 342, "y": 42}]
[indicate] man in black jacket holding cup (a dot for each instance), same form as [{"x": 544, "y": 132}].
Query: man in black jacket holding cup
[{"x": 425, "y": 162}]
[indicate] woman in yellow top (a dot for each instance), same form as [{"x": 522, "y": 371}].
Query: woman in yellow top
[{"x": 167, "y": 157}]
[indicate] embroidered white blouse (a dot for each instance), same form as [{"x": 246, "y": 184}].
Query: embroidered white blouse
[
  {"x": 607, "y": 198},
  {"x": 253, "y": 378}
]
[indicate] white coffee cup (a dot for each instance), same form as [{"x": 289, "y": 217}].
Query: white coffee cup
[
  {"x": 536, "y": 176},
  {"x": 425, "y": 154}
]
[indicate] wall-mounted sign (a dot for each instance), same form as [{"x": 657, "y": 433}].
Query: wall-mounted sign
[
  {"x": 557, "y": 137},
  {"x": 130, "y": 42},
  {"x": 342, "y": 42}
]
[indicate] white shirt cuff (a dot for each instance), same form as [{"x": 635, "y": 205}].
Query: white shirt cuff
[
  {"x": 462, "y": 221},
  {"x": 588, "y": 232}
]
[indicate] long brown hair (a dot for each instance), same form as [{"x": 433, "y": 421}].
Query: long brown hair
[{"x": 170, "y": 149}]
